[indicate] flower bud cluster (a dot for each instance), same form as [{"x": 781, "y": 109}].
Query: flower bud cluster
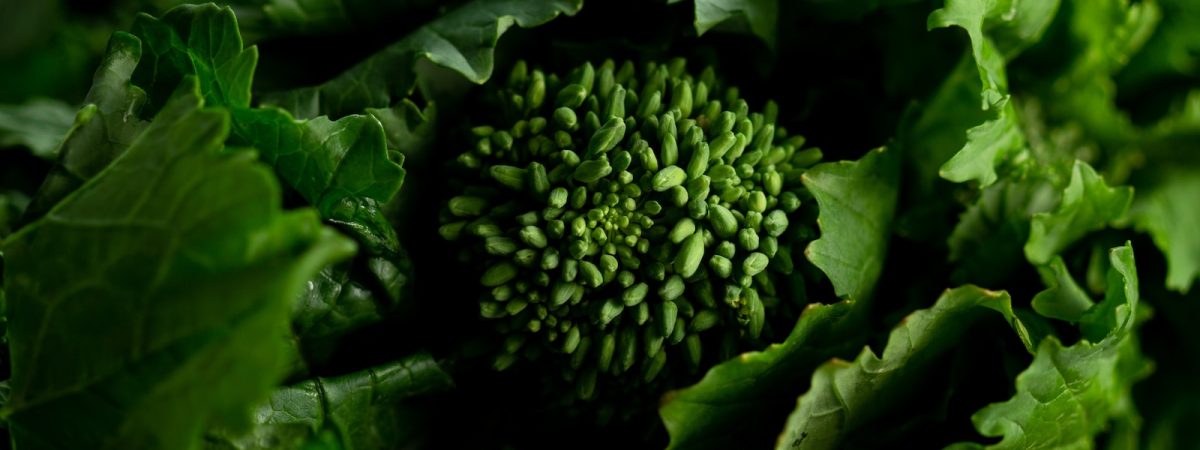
[{"x": 624, "y": 217}]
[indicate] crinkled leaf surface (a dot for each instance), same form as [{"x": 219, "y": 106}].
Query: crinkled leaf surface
[
  {"x": 103, "y": 128},
  {"x": 1063, "y": 299},
  {"x": 462, "y": 40},
  {"x": 997, "y": 31},
  {"x": 760, "y": 17},
  {"x": 726, "y": 408},
  {"x": 167, "y": 317},
  {"x": 358, "y": 409},
  {"x": 1087, "y": 204},
  {"x": 201, "y": 40},
  {"x": 341, "y": 167},
  {"x": 845, "y": 395},
  {"x": 735, "y": 400},
  {"x": 857, "y": 201},
  {"x": 1169, "y": 212},
  {"x": 1071, "y": 393}
]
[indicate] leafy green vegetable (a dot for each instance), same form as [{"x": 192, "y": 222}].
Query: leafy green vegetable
[
  {"x": 856, "y": 203},
  {"x": 462, "y": 40},
  {"x": 1070, "y": 393},
  {"x": 191, "y": 247},
  {"x": 103, "y": 129},
  {"x": 1087, "y": 204},
  {"x": 355, "y": 409},
  {"x": 1164, "y": 214},
  {"x": 757, "y": 16},
  {"x": 635, "y": 227},
  {"x": 845, "y": 395}
]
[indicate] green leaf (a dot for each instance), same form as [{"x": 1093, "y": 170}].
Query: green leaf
[
  {"x": 988, "y": 145},
  {"x": 846, "y": 395},
  {"x": 201, "y": 40},
  {"x": 857, "y": 200},
  {"x": 103, "y": 128},
  {"x": 1087, "y": 204},
  {"x": 985, "y": 244},
  {"x": 358, "y": 410},
  {"x": 997, "y": 30},
  {"x": 728, "y": 406},
  {"x": 760, "y": 17},
  {"x": 1169, "y": 214},
  {"x": 182, "y": 273},
  {"x": 1063, "y": 299},
  {"x": 463, "y": 40},
  {"x": 38, "y": 125},
  {"x": 1069, "y": 394},
  {"x": 342, "y": 167},
  {"x": 347, "y": 296}
]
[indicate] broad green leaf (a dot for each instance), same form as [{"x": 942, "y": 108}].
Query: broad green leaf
[
  {"x": 341, "y": 167},
  {"x": 358, "y": 410},
  {"x": 988, "y": 146},
  {"x": 1169, "y": 213},
  {"x": 103, "y": 128},
  {"x": 846, "y": 395},
  {"x": 1063, "y": 299},
  {"x": 201, "y": 40},
  {"x": 1069, "y": 394},
  {"x": 997, "y": 30},
  {"x": 167, "y": 317},
  {"x": 38, "y": 125},
  {"x": 462, "y": 40},
  {"x": 1087, "y": 204},
  {"x": 737, "y": 401},
  {"x": 760, "y": 17},
  {"x": 856, "y": 200}
]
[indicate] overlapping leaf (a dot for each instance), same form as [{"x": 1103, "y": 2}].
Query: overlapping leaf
[
  {"x": 742, "y": 399},
  {"x": 463, "y": 40},
  {"x": 1168, "y": 212},
  {"x": 1087, "y": 204},
  {"x": 1071, "y": 393},
  {"x": 173, "y": 304},
  {"x": 358, "y": 411},
  {"x": 845, "y": 395}
]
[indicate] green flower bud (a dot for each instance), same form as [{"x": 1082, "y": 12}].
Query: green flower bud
[
  {"x": 590, "y": 274},
  {"x": 608, "y": 346},
  {"x": 607, "y": 137},
  {"x": 691, "y": 253},
  {"x": 571, "y": 96},
  {"x": 667, "y": 178},
  {"x": 748, "y": 239},
  {"x": 723, "y": 222},
  {"x": 698, "y": 164},
  {"x": 467, "y": 206},
  {"x": 721, "y": 266},
  {"x": 754, "y": 263},
  {"x": 672, "y": 288},
  {"x": 683, "y": 228},
  {"x": 592, "y": 170},
  {"x": 533, "y": 236},
  {"x": 775, "y": 223},
  {"x": 500, "y": 245},
  {"x": 498, "y": 274},
  {"x": 635, "y": 294},
  {"x": 565, "y": 118},
  {"x": 610, "y": 310}
]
